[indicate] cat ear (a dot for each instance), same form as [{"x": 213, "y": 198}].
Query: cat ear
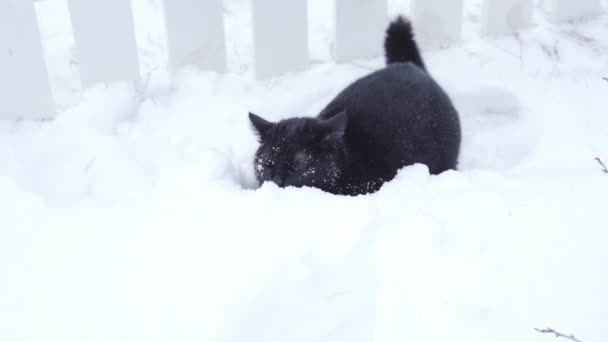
[
  {"x": 260, "y": 125},
  {"x": 338, "y": 123}
]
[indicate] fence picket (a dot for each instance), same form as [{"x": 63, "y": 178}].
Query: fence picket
[
  {"x": 437, "y": 22},
  {"x": 105, "y": 40},
  {"x": 564, "y": 10},
  {"x": 107, "y": 50},
  {"x": 359, "y": 29},
  {"x": 195, "y": 34},
  {"x": 280, "y": 35},
  {"x": 24, "y": 85},
  {"x": 502, "y": 17}
]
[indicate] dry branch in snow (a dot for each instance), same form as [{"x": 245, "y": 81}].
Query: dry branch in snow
[
  {"x": 604, "y": 168},
  {"x": 558, "y": 334}
]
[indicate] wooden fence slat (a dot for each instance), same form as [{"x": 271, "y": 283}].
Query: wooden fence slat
[
  {"x": 360, "y": 29},
  {"x": 502, "y": 17},
  {"x": 280, "y": 36},
  {"x": 564, "y": 10},
  {"x": 195, "y": 34},
  {"x": 105, "y": 40},
  {"x": 437, "y": 22},
  {"x": 24, "y": 84}
]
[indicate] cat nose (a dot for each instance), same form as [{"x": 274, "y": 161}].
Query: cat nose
[{"x": 278, "y": 180}]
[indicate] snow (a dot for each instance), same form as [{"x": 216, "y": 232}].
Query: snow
[
  {"x": 437, "y": 22},
  {"x": 278, "y": 23},
  {"x": 207, "y": 48},
  {"x": 502, "y": 17},
  {"x": 134, "y": 215},
  {"x": 358, "y": 28}
]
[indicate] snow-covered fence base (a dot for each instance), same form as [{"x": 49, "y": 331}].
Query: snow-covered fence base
[
  {"x": 502, "y": 17},
  {"x": 280, "y": 36},
  {"x": 24, "y": 84},
  {"x": 359, "y": 29},
  {"x": 195, "y": 34},
  {"x": 564, "y": 10},
  {"x": 105, "y": 40},
  {"x": 437, "y": 22}
]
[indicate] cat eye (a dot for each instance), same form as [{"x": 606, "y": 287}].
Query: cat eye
[{"x": 299, "y": 161}]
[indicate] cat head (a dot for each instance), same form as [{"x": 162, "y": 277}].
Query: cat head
[{"x": 300, "y": 151}]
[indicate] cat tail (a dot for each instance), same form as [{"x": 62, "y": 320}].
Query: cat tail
[{"x": 400, "y": 45}]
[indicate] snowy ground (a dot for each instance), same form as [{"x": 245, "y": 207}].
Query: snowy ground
[{"x": 134, "y": 215}]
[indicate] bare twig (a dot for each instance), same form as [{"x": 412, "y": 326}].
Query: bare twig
[
  {"x": 558, "y": 334},
  {"x": 521, "y": 47},
  {"x": 605, "y": 79},
  {"x": 89, "y": 165},
  {"x": 604, "y": 168}
]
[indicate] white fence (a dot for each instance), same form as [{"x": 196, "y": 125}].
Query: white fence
[{"x": 107, "y": 52}]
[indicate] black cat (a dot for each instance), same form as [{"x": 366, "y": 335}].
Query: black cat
[{"x": 395, "y": 117}]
